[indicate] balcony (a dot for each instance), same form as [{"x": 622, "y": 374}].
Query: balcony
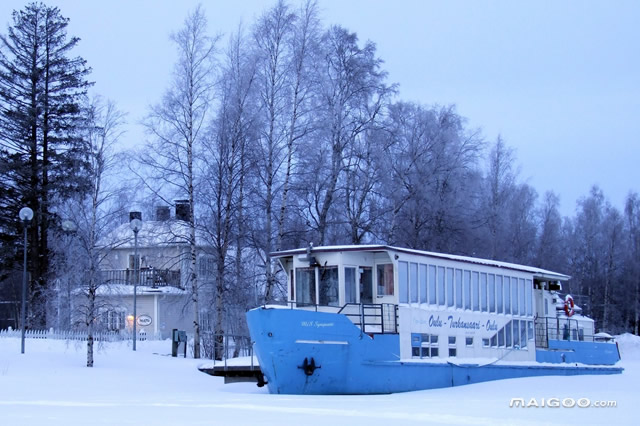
[{"x": 150, "y": 277}]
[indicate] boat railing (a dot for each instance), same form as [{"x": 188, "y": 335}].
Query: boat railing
[
  {"x": 223, "y": 347},
  {"x": 558, "y": 328},
  {"x": 373, "y": 318}
]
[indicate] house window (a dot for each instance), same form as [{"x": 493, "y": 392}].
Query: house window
[
  {"x": 113, "y": 320},
  {"x": 132, "y": 264},
  {"x": 206, "y": 266},
  {"x": 385, "y": 279}
]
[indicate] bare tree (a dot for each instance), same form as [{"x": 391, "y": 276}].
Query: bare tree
[
  {"x": 271, "y": 35},
  {"x": 632, "y": 216},
  {"x": 226, "y": 168},
  {"x": 285, "y": 45},
  {"x": 91, "y": 217},
  {"x": 176, "y": 126},
  {"x": 352, "y": 95},
  {"x": 550, "y": 253}
]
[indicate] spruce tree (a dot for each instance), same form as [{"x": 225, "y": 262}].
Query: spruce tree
[{"x": 42, "y": 155}]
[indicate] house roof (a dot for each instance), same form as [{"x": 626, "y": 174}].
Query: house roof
[
  {"x": 141, "y": 290},
  {"x": 152, "y": 234}
]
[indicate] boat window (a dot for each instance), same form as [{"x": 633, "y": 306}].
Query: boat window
[
  {"x": 492, "y": 293},
  {"x": 530, "y": 330},
  {"x": 507, "y": 334},
  {"x": 423, "y": 283},
  {"x": 305, "y": 286},
  {"x": 424, "y": 345},
  {"x": 385, "y": 279},
  {"x": 469, "y": 341},
  {"x": 440, "y": 285},
  {"x": 432, "y": 284},
  {"x": 528, "y": 298},
  {"x": 516, "y": 333},
  {"x": 449, "y": 286},
  {"x": 329, "y": 286},
  {"x": 366, "y": 285},
  {"x": 485, "y": 343},
  {"x": 350, "y": 285},
  {"x": 413, "y": 282},
  {"x": 291, "y": 288},
  {"x": 483, "y": 292},
  {"x": 474, "y": 291},
  {"x": 452, "y": 340},
  {"x": 467, "y": 289},
  {"x": 499, "y": 293},
  {"x": 494, "y": 341},
  {"x": 523, "y": 307},
  {"x": 581, "y": 334},
  {"x": 459, "y": 288},
  {"x": 514, "y": 296},
  {"x": 523, "y": 334},
  {"x": 507, "y": 295},
  {"x": 403, "y": 278},
  {"x": 501, "y": 337}
]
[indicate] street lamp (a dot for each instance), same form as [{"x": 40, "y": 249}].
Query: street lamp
[
  {"x": 136, "y": 225},
  {"x": 26, "y": 214}
]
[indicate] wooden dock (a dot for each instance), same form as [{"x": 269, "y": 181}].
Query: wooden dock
[{"x": 236, "y": 373}]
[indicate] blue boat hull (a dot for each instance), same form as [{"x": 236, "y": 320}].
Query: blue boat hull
[{"x": 307, "y": 352}]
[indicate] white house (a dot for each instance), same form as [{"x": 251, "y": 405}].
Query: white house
[{"x": 163, "y": 295}]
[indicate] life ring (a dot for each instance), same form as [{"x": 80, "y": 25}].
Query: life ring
[{"x": 569, "y": 306}]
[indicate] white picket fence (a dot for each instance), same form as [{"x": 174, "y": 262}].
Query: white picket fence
[{"x": 103, "y": 336}]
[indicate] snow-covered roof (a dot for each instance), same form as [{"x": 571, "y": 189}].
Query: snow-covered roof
[
  {"x": 152, "y": 234},
  {"x": 141, "y": 290},
  {"x": 537, "y": 272}
]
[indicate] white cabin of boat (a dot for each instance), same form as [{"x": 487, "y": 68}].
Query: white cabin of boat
[{"x": 442, "y": 306}]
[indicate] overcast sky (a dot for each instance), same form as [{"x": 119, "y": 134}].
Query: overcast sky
[{"x": 559, "y": 80}]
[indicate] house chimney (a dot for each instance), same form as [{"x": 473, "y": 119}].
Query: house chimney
[
  {"x": 182, "y": 210},
  {"x": 135, "y": 215},
  {"x": 163, "y": 213}
]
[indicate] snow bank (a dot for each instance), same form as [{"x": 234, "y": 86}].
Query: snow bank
[
  {"x": 50, "y": 385},
  {"x": 629, "y": 345}
]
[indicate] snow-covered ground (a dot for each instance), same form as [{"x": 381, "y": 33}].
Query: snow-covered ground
[{"x": 49, "y": 385}]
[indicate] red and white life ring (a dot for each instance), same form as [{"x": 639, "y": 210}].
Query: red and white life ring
[{"x": 569, "y": 306}]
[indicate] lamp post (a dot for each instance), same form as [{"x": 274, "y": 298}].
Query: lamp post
[
  {"x": 26, "y": 214},
  {"x": 136, "y": 225}
]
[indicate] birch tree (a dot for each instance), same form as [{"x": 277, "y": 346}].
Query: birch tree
[
  {"x": 285, "y": 45},
  {"x": 93, "y": 216},
  {"x": 632, "y": 217},
  {"x": 352, "y": 95},
  {"x": 226, "y": 168},
  {"x": 176, "y": 128}
]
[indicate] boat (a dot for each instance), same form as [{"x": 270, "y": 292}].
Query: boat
[{"x": 377, "y": 319}]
